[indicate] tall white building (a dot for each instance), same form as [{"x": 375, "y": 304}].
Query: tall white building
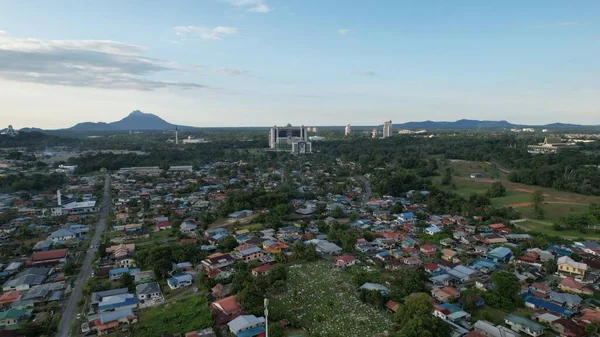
[
  {"x": 347, "y": 130},
  {"x": 290, "y": 138},
  {"x": 374, "y": 133},
  {"x": 387, "y": 129}
]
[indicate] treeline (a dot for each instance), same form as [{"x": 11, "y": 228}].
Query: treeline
[{"x": 32, "y": 182}]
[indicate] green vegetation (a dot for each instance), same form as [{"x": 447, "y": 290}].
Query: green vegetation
[
  {"x": 177, "y": 317},
  {"x": 416, "y": 319},
  {"x": 325, "y": 302},
  {"x": 33, "y": 182}
]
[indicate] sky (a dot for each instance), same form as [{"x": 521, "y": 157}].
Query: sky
[{"x": 311, "y": 62}]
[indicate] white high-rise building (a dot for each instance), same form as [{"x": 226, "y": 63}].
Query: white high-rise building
[
  {"x": 374, "y": 133},
  {"x": 347, "y": 130},
  {"x": 387, "y": 129},
  {"x": 290, "y": 138}
]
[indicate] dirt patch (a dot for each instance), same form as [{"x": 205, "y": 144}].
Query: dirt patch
[
  {"x": 527, "y": 204},
  {"x": 520, "y": 204}
]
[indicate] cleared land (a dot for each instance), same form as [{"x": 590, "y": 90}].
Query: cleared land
[
  {"x": 557, "y": 203},
  {"x": 325, "y": 303},
  {"x": 176, "y": 317}
]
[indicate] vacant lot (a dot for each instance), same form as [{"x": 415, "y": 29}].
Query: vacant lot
[
  {"x": 325, "y": 303},
  {"x": 177, "y": 317},
  {"x": 557, "y": 203}
]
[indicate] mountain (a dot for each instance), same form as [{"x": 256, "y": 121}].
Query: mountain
[{"x": 138, "y": 120}]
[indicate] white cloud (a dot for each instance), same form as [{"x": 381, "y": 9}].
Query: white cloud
[
  {"x": 365, "y": 73},
  {"x": 3, "y": 32},
  {"x": 205, "y": 33},
  {"x": 560, "y": 24},
  {"x": 345, "y": 31},
  {"x": 256, "y": 6},
  {"x": 90, "y": 63}
]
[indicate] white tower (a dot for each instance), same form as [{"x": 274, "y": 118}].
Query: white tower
[
  {"x": 176, "y": 135},
  {"x": 59, "y": 198},
  {"x": 387, "y": 129},
  {"x": 266, "y": 317},
  {"x": 347, "y": 130}
]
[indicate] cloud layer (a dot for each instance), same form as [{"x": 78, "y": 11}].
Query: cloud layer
[
  {"x": 205, "y": 33},
  {"x": 256, "y": 6},
  {"x": 90, "y": 63}
]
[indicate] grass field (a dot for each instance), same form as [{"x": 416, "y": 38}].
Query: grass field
[
  {"x": 173, "y": 318},
  {"x": 557, "y": 203},
  {"x": 325, "y": 303}
]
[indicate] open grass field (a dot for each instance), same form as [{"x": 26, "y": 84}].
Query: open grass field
[
  {"x": 173, "y": 318},
  {"x": 325, "y": 303},
  {"x": 557, "y": 203}
]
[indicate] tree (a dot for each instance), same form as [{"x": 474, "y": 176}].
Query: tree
[
  {"x": 496, "y": 190},
  {"x": 397, "y": 208},
  {"x": 447, "y": 177},
  {"x": 276, "y": 330},
  {"x": 128, "y": 281},
  {"x": 227, "y": 244},
  {"x": 252, "y": 298},
  {"x": 537, "y": 199},
  {"x": 338, "y": 213},
  {"x": 416, "y": 319},
  {"x": 506, "y": 293},
  {"x": 406, "y": 282}
]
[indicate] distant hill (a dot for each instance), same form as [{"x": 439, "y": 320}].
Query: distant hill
[
  {"x": 471, "y": 124},
  {"x": 136, "y": 120},
  {"x": 91, "y": 126}
]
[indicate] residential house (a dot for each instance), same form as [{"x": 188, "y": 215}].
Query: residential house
[
  {"x": 48, "y": 258},
  {"x": 250, "y": 254},
  {"x": 374, "y": 286},
  {"x": 218, "y": 260},
  {"x": 432, "y": 230},
  {"x": 220, "y": 290},
  {"x": 117, "y": 273},
  {"x": 450, "y": 255},
  {"x": 247, "y": 326},
  {"x": 445, "y": 294},
  {"x": 428, "y": 250},
  {"x": 407, "y": 217},
  {"x": 500, "y": 254},
  {"x": 188, "y": 227},
  {"x": 117, "y": 302},
  {"x": 490, "y": 330},
  {"x": 570, "y": 285},
  {"x": 262, "y": 270},
  {"x": 226, "y": 309},
  {"x": 569, "y": 266},
  {"x": 11, "y": 317},
  {"x": 180, "y": 280},
  {"x": 524, "y": 325},
  {"x": 345, "y": 261},
  {"x": 392, "y": 306},
  {"x": 328, "y": 248},
  {"x": 148, "y": 292}
]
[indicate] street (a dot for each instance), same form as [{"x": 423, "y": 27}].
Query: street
[
  {"x": 366, "y": 191},
  {"x": 70, "y": 311}
]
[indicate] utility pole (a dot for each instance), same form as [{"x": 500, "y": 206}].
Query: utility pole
[{"x": 266, "y": 317}]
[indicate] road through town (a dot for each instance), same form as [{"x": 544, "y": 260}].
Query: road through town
[{"x": 70, "y": 311}]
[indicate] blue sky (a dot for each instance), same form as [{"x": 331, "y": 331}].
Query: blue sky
[{"x": 327, "y": 62}]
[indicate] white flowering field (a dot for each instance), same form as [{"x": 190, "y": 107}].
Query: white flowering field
[{"x": 324, "y": 302}]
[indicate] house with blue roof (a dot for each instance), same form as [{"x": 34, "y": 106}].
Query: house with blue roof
[
  {"x": 407, "y": 217},
  {"x": 535, "y": 303},
  {"x": 500, "y": 254},
  {"x": 485, "y": 266},
  {"x": 117, "y": 273},
  {"x": 117, "y": 302},
  {"x": 559, "y": 251},
  {"x": 432, "y": 230},
  {"x": 180, "y": 281}
]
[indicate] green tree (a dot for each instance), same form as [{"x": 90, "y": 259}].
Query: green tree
[
  {"x": 227, "y": 244},
  {"x": 128, "y": 281},
  {"x": 415, "y": 318},
  {"x": 447, "y": 177},
  {"x": 496, "y": 190},
  {"x": 276, "y": 330},
  {"x": 537, "y": 199},
  {"x": 407, "y": 281}
]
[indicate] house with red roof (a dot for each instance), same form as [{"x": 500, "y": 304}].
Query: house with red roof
[
  {"x": 428, "y": 250},
  {"x": 392, "y": 306},
  {"x": 345, "y": 261},
  {"x": 163, "y": 225},
  {"x": 48, "y": 258},
  {"x": 262, "y": 270},
  {"x": 571, "y": 285},
  {"x": 226, "y": 309}
]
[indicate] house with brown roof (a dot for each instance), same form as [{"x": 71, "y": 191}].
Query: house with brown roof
[
  {"x": 450, "y": 255},
  {"x": 226, "y": 309},
  {"x": 262, "y": 270},
  {"x": 445, "y": 294},
  {"x": 345, "y": 261},
  {"x": 392, "y": 306},
  {"x": 571, "y": 285},
  {"x": 48, "y": 258}
]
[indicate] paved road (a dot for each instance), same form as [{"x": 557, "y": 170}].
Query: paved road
[
  {"x": 70, "y": 312},
  {"x": 366, "y": 190}
]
